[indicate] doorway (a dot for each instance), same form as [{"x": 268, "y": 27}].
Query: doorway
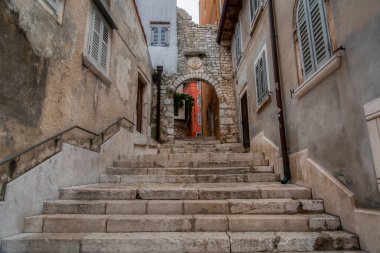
[
  {"x": 139, "y": 107},
  {"x": 244, "y": 120}
]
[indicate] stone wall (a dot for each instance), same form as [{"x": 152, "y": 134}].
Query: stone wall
[
  {"x": 201, "y": 58},
  {"x": 45, "y": 86}
]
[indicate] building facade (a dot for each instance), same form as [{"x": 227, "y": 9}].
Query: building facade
[
  {"x": 327, "y": 57},
  {"x": 159, "y": 18},
  {"x": 79, "y": 63}
]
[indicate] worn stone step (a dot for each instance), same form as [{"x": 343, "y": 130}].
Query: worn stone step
[
  {"x": 196, "y": 142},
  {"x": 189, "y": 171},
  {"x": 194, "y": 163},
  {"x": 181, "y": 242},
  {"x": 185, "y": 191},
  {"x": 86, "y": 223},
  {"x": 197, "y": 178},
  {"x": 229, "y": 206}
]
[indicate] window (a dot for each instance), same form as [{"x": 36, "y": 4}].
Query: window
[
  {"x": 54, "y": 7},
  {"x": 99, "y": 41},
  {"x": 199, "y": 118},
  {"x": 198, "y": 85},
  {"x": 313, "y": 38},
  {"x": 160, "y": 35},
  {"x": 254, "y": 7},
  {"x": 199, "y": 134},
  {"x": 238, "y": 50},
  {"x": 199, "y": 100},
  {"x": 261, "y": 74}
]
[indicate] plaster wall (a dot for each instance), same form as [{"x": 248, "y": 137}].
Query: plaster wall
[
  {"x": 44, "y": 86},
  {"x": 72, "y": 166},
  {"x": 161, "y": 11},
  {"x": 329, "y": 120},
  {"x": 254, "y": 41}
]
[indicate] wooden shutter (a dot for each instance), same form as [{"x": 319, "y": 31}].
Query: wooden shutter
[
  {"x": 261, "y": 79},
  {"x": 319, "y": 32},
  {"x": 99, "y": 41},
  {"x": 304, "y": 38},
  {"x": 155, "y": 34}
]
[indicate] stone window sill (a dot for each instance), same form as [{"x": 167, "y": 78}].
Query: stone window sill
[
  {"x": 332, "y": 65},
  {"x": 262, "y": 104},
  {"x": 94, "y": 69}
]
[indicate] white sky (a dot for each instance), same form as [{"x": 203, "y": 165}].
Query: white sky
[{"x": 192, "y": 7}]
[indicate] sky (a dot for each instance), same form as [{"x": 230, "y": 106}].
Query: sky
[{"x": 192, "y": 7}]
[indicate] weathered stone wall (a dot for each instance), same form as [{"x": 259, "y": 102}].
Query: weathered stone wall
[
  {"x": 201, "y": 58},
  {"x": 44, "y": 86}
]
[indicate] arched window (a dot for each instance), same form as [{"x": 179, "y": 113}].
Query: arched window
[{"x": 313, "y": 35}]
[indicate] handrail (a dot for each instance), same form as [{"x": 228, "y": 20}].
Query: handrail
[{"x": 19, "y": 154}]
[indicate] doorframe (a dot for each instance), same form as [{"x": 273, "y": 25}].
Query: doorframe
[{"x": 243, "y": 91}]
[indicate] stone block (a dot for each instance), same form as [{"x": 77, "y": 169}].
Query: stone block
[
  {"x": 206, "y": 207},
  {"x": 33, "y": 224},
  {"x": 216, "y": 223},
  {"x": 165, "y": 207},
  {"x": 74, "y": 223},
  {"x": 126, "y": 207}
]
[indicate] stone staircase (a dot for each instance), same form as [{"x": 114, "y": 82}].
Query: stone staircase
[{"x": 185, "y": 202}]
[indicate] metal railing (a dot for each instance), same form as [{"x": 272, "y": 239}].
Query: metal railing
[{"x": 9, "y": 170}]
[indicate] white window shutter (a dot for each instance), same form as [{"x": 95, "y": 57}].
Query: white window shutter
[
  {"x": 99, "y": 41},
  {"x": 164, "y": 33},
  {"x": 53, "y": 5},
  {"x": 238, "y": 43}
]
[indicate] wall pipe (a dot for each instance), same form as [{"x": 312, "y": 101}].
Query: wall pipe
[
  {"x": 276, "y": 70},
  {"x": 158, "y": 116}
]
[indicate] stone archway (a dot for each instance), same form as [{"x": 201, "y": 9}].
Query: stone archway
[{"x": 201, "y": 58}]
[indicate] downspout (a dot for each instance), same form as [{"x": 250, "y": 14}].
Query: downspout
[
  {"x": 281, "y": 121},
  {"x": 158, "y": 116}
]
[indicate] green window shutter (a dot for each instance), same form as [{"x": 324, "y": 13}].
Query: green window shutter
[
  {"x": 313, "y": 35},
  {"x": 319, "y": 32},
  {"x": 261, "y": 78},
  {"x": 305, "y": 39}
]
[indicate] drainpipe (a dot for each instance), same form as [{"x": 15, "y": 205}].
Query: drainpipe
[
  {"x": 158, "y": 116},
  {"x": 281, "y": 121}
]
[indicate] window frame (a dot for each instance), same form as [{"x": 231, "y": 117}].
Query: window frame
[
  {"x": 160, "y": 26},
  {"x": 264, "y": 99},
  {"x": 55, "y": 10},
  {"x": 253, "y": 16}
]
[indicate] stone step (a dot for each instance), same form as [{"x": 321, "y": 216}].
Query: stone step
[
  {"x": 196, "y": 142},
  {"x": 193, "y": 157},
  {"x": 229, "y": 206},
  {"x": 181, "y": 242},
  {"x": 188, "y": 171},
  {"x": 185, "y": 191},
  {"x": 199, "y": 178},
  {"x": 86, "y": 223},
  {"x": 194, "y": 163}
]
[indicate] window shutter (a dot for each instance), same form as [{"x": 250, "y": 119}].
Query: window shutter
[
  {"x": 52, "y": 4},
  {"x": 99, "y": 41},
  {"x": 261, "y": 79},
  {"x": 104, "y": 50},
  {"x": 254, "y": 7},
  {"x": 155, "y": 36},
  {"x": 304, "y": 39},
  {"x": 319, "y": 32},
  {"x": 164, "y": 36},
  {"x": 238, "y": 43}
]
